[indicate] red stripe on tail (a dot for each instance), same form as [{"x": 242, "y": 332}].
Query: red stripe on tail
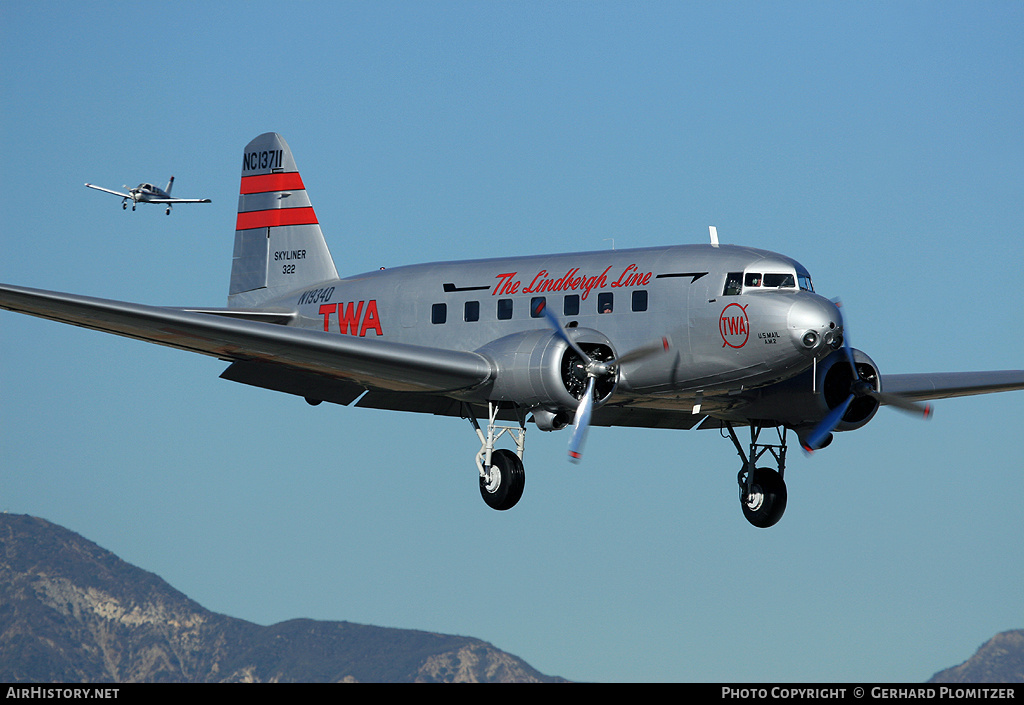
[
  {"x": 276, "y": 217},
  {"x": 263, "y": 183}
]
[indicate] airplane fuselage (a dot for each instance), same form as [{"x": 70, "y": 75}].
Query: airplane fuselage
[{"x": 721, "y": 337}]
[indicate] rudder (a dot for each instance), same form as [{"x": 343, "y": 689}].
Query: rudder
[{"x": 279, "y": 246}]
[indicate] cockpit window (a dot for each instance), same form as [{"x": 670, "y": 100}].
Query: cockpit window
[
  {"x": 733, "y": 283},
  {"x": 736, "y": 282}
]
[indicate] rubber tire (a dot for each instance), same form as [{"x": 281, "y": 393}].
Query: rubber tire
[
  {"x": 512, "y": 480},
  {"x": 773, "y": 504}
]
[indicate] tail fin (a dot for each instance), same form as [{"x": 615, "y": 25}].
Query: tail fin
[
  {"x": 169, "y": 185},
  {"x": 278, "y": 243}
]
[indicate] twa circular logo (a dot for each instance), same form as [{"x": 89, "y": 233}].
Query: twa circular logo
[{"x": 734, "y": 326}]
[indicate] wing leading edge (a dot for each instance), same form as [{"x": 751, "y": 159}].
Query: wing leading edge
[{"x": 371, "y": 363}]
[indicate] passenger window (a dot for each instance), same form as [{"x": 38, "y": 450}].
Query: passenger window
[
  {"x": 639, "y": 302},
  {"x": 439, "y": 313},
  {"x": 472, "y": 312},
  {"x": 571, "y": 305},
  {"x": 537, "y": 304},
  {"x": 605, "y": 302},
  {"x": 733, "y": 283},
  {"x": 504, "y": 309}
]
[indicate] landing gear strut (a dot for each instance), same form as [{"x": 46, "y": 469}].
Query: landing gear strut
[
  {"x": 762, "y": 490},
  {"x": 502, "y": 476}
]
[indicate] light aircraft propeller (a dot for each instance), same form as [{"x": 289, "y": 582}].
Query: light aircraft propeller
[
  {"x": 594, "y": 369},
  {"x": 860, "y": 387}
]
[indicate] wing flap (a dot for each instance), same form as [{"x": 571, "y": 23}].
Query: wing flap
[{"x": 369, "y": 362}]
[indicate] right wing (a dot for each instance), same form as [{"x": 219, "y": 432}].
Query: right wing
[
  {"x": 368, "y": 362},
  {"x": 116, "y": 193}
]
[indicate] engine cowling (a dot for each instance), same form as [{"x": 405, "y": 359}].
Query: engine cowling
[
  {"x": 803, "y": 401},
  {"x": 538, "y": 370}
]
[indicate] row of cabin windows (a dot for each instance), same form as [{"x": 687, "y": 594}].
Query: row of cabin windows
[{"x": 570, "y": 307}]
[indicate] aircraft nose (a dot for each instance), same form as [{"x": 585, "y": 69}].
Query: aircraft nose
[{"x": 815, "y": 325}]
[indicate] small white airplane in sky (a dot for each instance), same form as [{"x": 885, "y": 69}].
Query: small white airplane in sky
[{"x": 148, "y": 193}]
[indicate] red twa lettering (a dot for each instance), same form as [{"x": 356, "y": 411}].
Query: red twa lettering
[
  {"x": 371, "y": 321},
  {"x": 326, "y": 310},
  {"x": 347, "y": 320},
  {"x": 352, "y": 319}
]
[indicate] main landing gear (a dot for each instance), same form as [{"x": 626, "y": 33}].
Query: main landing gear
[
  {"x": 502, "y": 476},
  {"x": 762, "y": 490}
]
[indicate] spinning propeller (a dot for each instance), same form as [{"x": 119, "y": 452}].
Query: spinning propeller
[
  {"x": 594, "y": 370},
  {"x": 860, "y": 387}
]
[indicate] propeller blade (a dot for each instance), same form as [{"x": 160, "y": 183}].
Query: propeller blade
[
  {"x": 902, "y": 403},
  {"x": 560, "y": 329},
  {"x": 579, "y": 431},
  {"x": 656, "y": 347},
  {"x": 828, "y": 424},
  {"x": 859, "y": 388}
]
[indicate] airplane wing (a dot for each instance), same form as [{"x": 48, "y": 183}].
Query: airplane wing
[
  {"x": 176, "y": 200},
  {"x": 116, "y": 193},
  {"x": 232, "y": 336},
  {"x": 943, "y": 385}
]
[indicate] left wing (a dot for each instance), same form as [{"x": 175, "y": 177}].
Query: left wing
[
  {"x": 943, "y": 385},
  {"x": 116, "y": 193},
  {"x": 235, "y": 336},
  {"x": 176, "y": 200}
]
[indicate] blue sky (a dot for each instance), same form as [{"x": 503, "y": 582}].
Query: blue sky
[{"x": 879, "y": 143}]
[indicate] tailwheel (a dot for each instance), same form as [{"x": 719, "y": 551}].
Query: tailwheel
[
  {"x": 502, "y": 485},
  {"x": 763, "y": 498}
]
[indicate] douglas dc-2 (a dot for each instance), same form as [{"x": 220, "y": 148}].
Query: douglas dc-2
[
  {"x": 148, "y": 193},
  {"x": 686, "y": 337}
]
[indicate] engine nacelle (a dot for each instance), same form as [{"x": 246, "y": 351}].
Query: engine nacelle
[
  {"x": 538, "y": 370},
  {"x": 800, "y": 403}
]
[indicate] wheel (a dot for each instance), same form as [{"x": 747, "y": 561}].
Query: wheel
[
  {"x": 765, "y": 504},
  {"x": 507, "y": 479},
  {"x": 124, "y": 206}
]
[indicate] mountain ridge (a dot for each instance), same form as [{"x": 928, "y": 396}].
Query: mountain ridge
[
  {"x": 998, "y": 660},
  {"x": 71, "y": 611}
]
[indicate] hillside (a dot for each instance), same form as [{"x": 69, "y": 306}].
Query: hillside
[
  {"x": 71, "y": 611},
  {"x": 998, "y": 660}
]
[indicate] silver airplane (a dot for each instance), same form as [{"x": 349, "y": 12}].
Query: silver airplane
[
  {"x": 687, "y": 337},
  {"x": 148, "y": 193}
]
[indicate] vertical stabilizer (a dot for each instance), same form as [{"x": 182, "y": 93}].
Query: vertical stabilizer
[
  {"x": 170, "y": 184},
  {"x": 278, "y": 243}
]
